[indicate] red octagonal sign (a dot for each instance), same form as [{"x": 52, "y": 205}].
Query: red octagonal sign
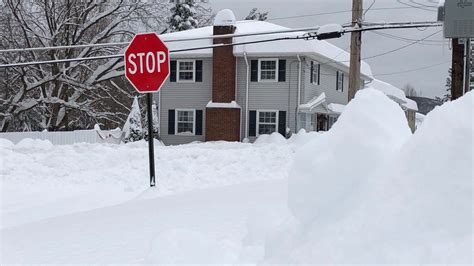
[{"x": 147, "y": 64}]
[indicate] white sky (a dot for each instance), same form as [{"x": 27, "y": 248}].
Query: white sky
[{"x": 430, "y": 82}]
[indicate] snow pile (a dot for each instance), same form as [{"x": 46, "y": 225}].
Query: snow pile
[
  {"x": 374, "y": 194},
  {"x": 62, "y": 179},
  {"x": 329, "y": 28},
  {"x": 333, "y": 166},
  {"x": 225, "y": 17}
]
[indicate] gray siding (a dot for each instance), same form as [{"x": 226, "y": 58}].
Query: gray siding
[
  {"x": 179, "y": 95},
  {"x": 327, "y": 84},
  {"x": 279, "y": 96}
]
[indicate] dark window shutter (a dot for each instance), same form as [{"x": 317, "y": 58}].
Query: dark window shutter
[
  {"x": 198, "y": 70},
  {"x": 337, "y": 80},
  {"x": 282, "y": 70},
  {"x": 282, "y": 123},
  {"x": 342, "y": 82},
  {"x": 254, "y": 70},
  {"x": 253, "y": 123},
  {"x": 173, "y": 71},
  {"x": 171, "y": 119},
  {"x": 319, "y": 74},
  {"x": 312, "y": 71},
  {"x": 199, "y": 122}
]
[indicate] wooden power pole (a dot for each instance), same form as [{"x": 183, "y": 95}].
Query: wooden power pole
[
  {"x": 457, "y": 83},
  {"x": 356, "y": 44}
]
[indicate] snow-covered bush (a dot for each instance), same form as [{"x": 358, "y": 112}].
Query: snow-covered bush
[{"x": 133, "y": 126}]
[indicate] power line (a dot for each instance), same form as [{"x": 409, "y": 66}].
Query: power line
[
  {"x": 399, "y": 38},
  {"x": 122, "y": 55},
  {"x": 372, "y": 26},
  {"x": 413, "y": 70},
  {"x": 165, "y": 39},
  {"x": 402, "y": 47},
  {"x": 305, "y": 36},
  {"x": 417, "y": 5},
  {"x": 337, "y": 12}
]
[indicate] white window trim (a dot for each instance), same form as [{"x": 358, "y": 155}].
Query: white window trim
[
  {"x": 260, "y": 69},
  {"x": 315, "y": 72},
  {"x": 258, "y": 120},
  {"x": 339, "y": 73},
  {"x": 178, "y": 71},
  {"x": 176, "y": 122}
]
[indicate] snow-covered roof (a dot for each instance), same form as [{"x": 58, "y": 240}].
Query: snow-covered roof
[
  {"x": 319, "y": 105},
  {"x": 393, "y": 92},
  {"x": 319, "y": 50},
  {"x": 410, "y": 104},
  {"x": 313, "y": 103},
  {"x": 336, "y": 107}
]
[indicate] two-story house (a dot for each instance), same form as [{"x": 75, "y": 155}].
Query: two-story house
[{"x": 239, "y": 92}]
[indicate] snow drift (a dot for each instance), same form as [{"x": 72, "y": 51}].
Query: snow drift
[{"x": 368, "y": 192}]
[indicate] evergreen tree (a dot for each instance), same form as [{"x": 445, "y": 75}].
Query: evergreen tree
[
  {"x": 133, "y": 126},
  {"x": 183, "y": 16},
  {"x": 255, "y": 15}
]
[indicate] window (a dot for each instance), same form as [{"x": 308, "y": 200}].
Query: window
[
  {"x": 316, "y": 72},
  {"x": 340, "y": 81},
  {"x": 185, "y": 122},
  {"x": 267, "y": 122},
  {"x": 186, "y": 70},
  {"x": 268, "y": 70}
]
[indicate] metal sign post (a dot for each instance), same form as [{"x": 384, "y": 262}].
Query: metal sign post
[
  {"x": 151, "y": 147},
  {"x": 147, "y": 66}
]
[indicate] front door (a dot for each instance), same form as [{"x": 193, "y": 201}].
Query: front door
[{"x": 322, "y": 122}]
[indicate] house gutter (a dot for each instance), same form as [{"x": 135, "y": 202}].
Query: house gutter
[
  {"x": 247, "y": 98},
  {"x": 298, "y": 100}
]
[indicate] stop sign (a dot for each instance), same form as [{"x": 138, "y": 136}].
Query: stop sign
[{"x": 147, "y": 64}]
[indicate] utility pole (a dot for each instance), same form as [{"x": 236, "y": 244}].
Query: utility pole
[
  {"x": 356, "y": 44},
  {"x": 457, "y": 82}
]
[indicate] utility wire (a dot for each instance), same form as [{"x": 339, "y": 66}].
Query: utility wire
[
  {"x": 399, "y": 38},
  {"x": 305, "y": 36},
  {"x": 412, "y": 70},
  {"x": 402, "y": 47},
  {"x": 170, "y": 40},
  {"x": 171, "y": 51},
  {"x": 165, "y": 40},
  {"x": 371, "y": 5}
]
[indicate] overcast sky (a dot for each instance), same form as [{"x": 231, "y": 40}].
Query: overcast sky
[{"x": 430, "y": 82}]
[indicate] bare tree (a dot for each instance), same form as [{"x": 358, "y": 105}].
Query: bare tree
[
  {"x": 410, "y": 90},
  {"x": 74, "y": 94}
]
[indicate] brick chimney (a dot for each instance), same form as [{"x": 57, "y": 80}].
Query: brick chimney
[{"x": 223, "y": 118}]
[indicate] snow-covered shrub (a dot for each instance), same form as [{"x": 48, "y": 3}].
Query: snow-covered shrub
[{"x": 133, "y": 126}]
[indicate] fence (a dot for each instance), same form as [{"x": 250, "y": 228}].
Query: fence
[{"x": 68, "y": 137}]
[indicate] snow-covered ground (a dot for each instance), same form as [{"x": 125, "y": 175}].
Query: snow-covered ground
[{"x": 368, "y": 191}]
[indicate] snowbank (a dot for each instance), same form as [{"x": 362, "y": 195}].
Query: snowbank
[
  {"x": 332, "y": 167},
  {"x": 373, "y": 194}
]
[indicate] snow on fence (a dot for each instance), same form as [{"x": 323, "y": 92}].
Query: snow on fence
[{"x": 68, "y": 137}]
